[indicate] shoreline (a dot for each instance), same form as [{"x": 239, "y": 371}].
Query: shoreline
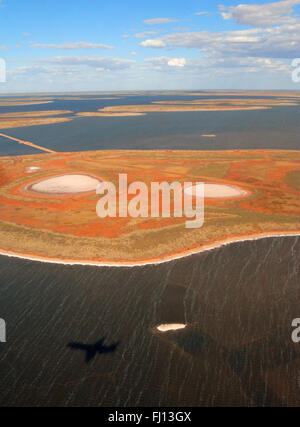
[
  {"x": 154, "y": 261},
  {"x": 151, "y": 150}
]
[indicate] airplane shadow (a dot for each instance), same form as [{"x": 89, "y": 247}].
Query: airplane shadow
[{"x": 92, "y": 350}]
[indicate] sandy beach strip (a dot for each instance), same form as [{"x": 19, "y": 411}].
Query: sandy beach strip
[
  {"x": 87, "y": 98},
  {"x": 154, "y": 261},
  {"x": 21, "y": 103},
  {"x": 10, "y": 123},
  {"x": 109, "y": 114},
  {"x": 159, "y": 108},
  {"x": 233, "y": 102},
  {"x": 35, "y": 114}
]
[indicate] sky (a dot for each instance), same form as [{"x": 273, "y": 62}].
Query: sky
[{"x": 95, "y": 45}]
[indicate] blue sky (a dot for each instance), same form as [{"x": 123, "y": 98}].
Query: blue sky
[{"x": 52, "y": 45}]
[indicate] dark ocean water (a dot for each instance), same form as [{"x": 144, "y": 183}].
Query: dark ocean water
[
  {"x": 277, "y": 128},
  {"x": 239, "y": 302}
]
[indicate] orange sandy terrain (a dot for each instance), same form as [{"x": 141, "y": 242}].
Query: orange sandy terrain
[
  {"x": 66, "y": 227},
  {"x": 263, "y": 93},
  {"x": 198, "y": 105},
  {"x": 291, "y": 93},
  {"x": 102, "y": 98},
  {"x": 21, "y": 103},
  {"x": 25, "y": 114},
  {"x": 9, "y": 123},
  {"x": 179, "y": 107},
  {"x": 33, "y": 118},
  {"x": 108, "y": 114},
  {"x": 235, "y": 102}
]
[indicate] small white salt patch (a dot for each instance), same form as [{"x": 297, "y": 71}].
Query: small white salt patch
[
  {"x": 171, "y": 327},
  {"x": 32, "y": 169}
]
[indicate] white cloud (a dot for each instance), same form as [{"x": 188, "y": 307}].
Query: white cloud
[
  {"x": 72, "y": 46},
  {"x": 219, "y": 65},
  {"x": 241, "y": 39},
  {"x": 156, "y": 43},
  {"x": 145, "y": 34},
  {"x": 237, "y": 63},
  {"x": 177, "y": 62},
  {"x": 100, "y": 62},
  {"x": 201, "y": 13},
  {"x": 275, "y": 33},
  {"x": 275, "y": 42},
  {"x": 65, "y": 70},
  {"x": 30, "y": 70},
  {"x": 133, "y": 53},
  {"x": 107, "y": 63},
  {"x": 156, "y": 21},
  {"x": 261, "y": 14},
  {"x": 163, "y": 62}
]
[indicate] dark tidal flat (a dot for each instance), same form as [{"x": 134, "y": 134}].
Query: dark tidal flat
[{"x": 238, "y": 301}]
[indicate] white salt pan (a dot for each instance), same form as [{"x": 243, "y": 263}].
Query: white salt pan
[
  {"x": 66, "y": 184},
  {"x": 215, "y": 191}
]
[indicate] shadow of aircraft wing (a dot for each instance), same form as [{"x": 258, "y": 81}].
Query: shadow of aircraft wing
[
  {"x": 90, "y": 350},
  {"x": 94, "y": 349},
  {"x": 111, "y": 348},
  {"x": 78, "y": 346}
]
